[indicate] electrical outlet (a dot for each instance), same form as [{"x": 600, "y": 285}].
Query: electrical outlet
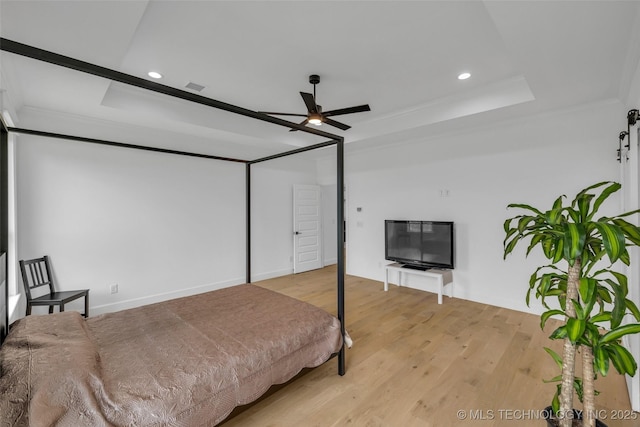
[{"x": 114, "y": 288}]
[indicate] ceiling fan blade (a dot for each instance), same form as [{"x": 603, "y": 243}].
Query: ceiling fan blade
[
  {"x": 357, "y": 109},
  {"x": 336, "y": 124},
  {"x": 304, "y": 122},
  {"x": 309, "y": 102},
  {"x": 282, "y": 114}
]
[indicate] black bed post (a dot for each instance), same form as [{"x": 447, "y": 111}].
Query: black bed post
[
  {"x": 341, "y": 243},
  {"x": 4, "y": 230},
  {"x": 248, "y": 215}
]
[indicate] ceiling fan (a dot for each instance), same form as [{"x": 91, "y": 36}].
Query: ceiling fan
[{"x": 315, "y": 115}]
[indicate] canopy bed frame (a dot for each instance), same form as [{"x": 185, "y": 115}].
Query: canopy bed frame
[{"x": 116, "y": 76}]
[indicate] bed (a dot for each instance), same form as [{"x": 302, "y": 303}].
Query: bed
[
  {"x": 86, "y": 68},
  {"x": 184, "y": 362}
]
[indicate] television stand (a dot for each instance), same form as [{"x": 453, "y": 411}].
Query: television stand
[
  {"x": 443, "y": 277},
  {"x": 415, "y": 267}
]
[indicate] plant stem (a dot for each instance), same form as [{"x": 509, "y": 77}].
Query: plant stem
[
  {"x": 588, "y": 399},
  {"x": 569, "y": 351}
]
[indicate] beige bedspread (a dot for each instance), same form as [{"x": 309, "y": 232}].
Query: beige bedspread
[{"x": 184, "y": 362}]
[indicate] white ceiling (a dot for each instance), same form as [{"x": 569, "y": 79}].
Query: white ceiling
[{"x": 400, "y": 57}]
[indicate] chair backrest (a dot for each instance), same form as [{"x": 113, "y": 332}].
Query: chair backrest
[{"x": 36, "y": 273}]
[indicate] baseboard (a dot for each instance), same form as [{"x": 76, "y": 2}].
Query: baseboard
[
  {"x": 150, "y": 299},
  {"x": 271, "y": 274}
]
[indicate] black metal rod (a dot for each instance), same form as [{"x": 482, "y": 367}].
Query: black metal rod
[
  {"x": 341, "y": 254},
  {"x": 96, "y": 70},
  {"x": 298, "y": 150},
  {"x": 121, "y": 144},
  {"x": 248, "y": 219},
  {"x": 4, "y": 228}
]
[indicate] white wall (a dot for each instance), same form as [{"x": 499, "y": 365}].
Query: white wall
[
  {"x": 326, "y": 168},
  {"x": 158, "y": 225},
  {"x": 329, "y": 224},
  {"x": 272, "y": 213},
  {"x": 531, "y": 160}
]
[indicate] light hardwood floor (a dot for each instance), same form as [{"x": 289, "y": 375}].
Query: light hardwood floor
[{"x": 417, "y": 363}]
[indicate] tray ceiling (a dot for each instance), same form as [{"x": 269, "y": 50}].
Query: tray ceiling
[{"x": 400, "y": 57}]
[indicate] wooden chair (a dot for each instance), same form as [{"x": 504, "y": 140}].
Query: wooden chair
[{"x": 37, "y": 273}]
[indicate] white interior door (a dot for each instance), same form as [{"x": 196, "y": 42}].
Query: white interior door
[{"x": 307, "y": 230}]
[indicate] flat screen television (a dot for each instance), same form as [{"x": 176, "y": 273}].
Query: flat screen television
[{"x": 419, "y": 244}]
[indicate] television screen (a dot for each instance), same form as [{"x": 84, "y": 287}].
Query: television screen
[{"x": 420, "y": 244}]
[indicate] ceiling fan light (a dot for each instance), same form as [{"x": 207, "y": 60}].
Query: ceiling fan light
[{"x": 315, "y": 119}]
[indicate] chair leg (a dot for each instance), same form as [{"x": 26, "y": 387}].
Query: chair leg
[
  {"x": 86, "y": 305},
  {"x": 28, "y": 309},
  {"x": 50, "y": 309},
  {"x": 61, "y": 307}
]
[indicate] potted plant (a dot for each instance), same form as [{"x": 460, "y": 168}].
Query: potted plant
[{"x": 589, "y": 294}]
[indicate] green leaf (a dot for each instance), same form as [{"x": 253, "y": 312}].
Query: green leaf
[
  {"x": 613, "y": 240},
  {"x": 601, "y": 317},
  {"x": 619, "y": 307},
  {"x": 604, "y": 295},
  {"x": 592, "y": 334},
  {"x": 628, "y": 213},
  {"x": 547, "y": 247},
  {"x": 575, "y": 328},
  {"x": 525, "y": 207},
  {"x": 507, "y": 224},
  {"x": 589, "y": 263},
  {"x": 574, "y": 215},
  {"x": 615, "y": 334},
  {"x": 535, "y": 240},
  {"x": 554, "y": 379},
  {"x": 524, "y": 221},
  {"x": 559, "y": 334},
  {"x": 587, "y": 289},
  {"x": 633, "y": 309},
  {"x": 622, "y": 359},
  {"x": 601, "y": 360},
  {"x": 555, "y": 403},
  {"x": 622, "y": 281},
  {"x": 603, "y": 196},
  {"x": 559, "y": 252},
  {"x": 584, "y": 200},
  {"x": 554, "y": 216},
  {"x": 547, "y": 314},
  {"x": 580, "y": 311},
  {"x": 510, "y": 246},
  {"x": 545, "y": 285},
  {"x": 555, "y": 357},
  {"x": 630, "y": 231},
  {"x": 574, "y": 237},
  {"x": 509, "y": 232},
  {"x": 624, "y": 257}
]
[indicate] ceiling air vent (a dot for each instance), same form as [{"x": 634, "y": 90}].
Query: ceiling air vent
[{"x": 194, "y": 86}]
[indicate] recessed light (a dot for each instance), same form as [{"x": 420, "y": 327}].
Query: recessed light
[
  {"x": 154, "y": 74},
  {"x": 464, "y": 76}
]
